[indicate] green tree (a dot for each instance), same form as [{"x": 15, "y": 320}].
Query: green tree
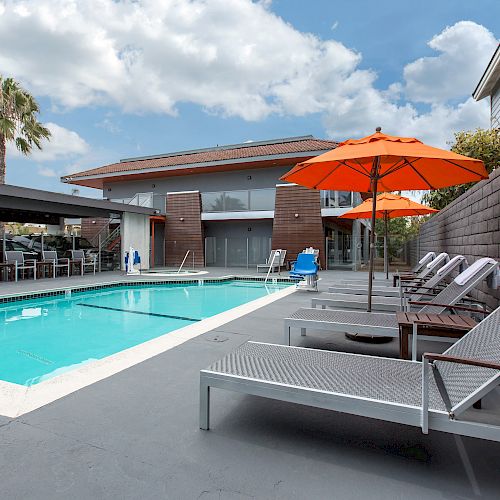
[
  {"x": 481, "y": 144},
  {"x": 18, "y": 121}
]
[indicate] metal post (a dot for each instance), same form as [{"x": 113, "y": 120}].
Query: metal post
[
  {"x": 386, "y": 245},
  {"x": 42, "y": 248},
  {"x": 375, "y": 169},
  {"x": 99, "y": 251},
  {"x": 73, "y": 237},
  {"x": 326, "y": 254},
  {"x": 225, "y": 252},
  {"x": 247, "y": 253}
]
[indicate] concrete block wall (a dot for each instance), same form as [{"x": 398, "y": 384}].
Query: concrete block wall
[{"x": 470, "y": 226}]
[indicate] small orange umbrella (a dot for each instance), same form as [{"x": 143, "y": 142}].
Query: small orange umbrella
[
  {"x": 381, "y": 162},
  {"x": 389, "y": 206}
]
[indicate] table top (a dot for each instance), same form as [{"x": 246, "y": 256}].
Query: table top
[{"x": 452, "y": 321}]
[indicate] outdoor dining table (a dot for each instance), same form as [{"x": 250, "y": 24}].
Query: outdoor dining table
[
  {"x": 432, "y": 325},
  {"x": 44, "y": 269},
  {"x": 7, "y": 271}
]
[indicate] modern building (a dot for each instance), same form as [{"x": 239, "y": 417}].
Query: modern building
[
  {"x": 227, "y": 206},
  {"x": 489, "y": 86}
]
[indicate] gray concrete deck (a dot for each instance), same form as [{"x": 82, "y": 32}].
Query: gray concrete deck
[{"x": 135, "y": 435}]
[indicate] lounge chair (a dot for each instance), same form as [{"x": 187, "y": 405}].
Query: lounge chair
[
  {"x": 305, "y": 270},
  {"x": 385, "y": 324},
  {"x": 277, "y": 258},
  {"x": 21, "y": 264},
  {"x": 407, "y": 291},
  {"x": 438, "y": 273},
  {"x": 416, "y": 269},
  {"x": 436, "y": 394},
  {"x": 85, "y": 261},
  {"x": 51, "y": 256}
]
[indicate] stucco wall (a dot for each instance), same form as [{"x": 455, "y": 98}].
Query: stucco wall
[{"x": 469, "y": 226}]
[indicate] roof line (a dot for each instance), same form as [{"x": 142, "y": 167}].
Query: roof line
[
  {"x": 478, "y": 91},
  {"x": 223, "y": 148}
]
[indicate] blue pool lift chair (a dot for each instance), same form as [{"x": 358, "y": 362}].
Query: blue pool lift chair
[{"x": 305, "y": 268}]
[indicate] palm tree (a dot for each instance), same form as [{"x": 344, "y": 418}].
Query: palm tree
[{"x": 18, "y": 121}]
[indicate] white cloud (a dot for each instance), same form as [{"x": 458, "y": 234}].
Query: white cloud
[
  {"x": 47, "y": 172},
  {"x": 63, "y": 144},
  {"x": 464, "y": 51},
  {"x": 234, "y": 58}
]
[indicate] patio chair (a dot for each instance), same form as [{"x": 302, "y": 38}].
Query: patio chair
[
  {"x": 85, "y": 261},
  {"x": 437, "y": 274},
  {"x": 279, "y": 261},
  {"x": 407, "y": 291},
  {"x": 51, "y": 256},
  {"x": 306, "y": 268},
  {"x": 385, "y": 324},
  {"x": 416, "y": 269},
  {"x": 21, "y": 264},
  {"x": 436, "y": 394}
]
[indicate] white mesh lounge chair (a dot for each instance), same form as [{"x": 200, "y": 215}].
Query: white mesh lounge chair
[
  {"x": 418, "y": 268},
  {"x": 438, "y": 268},
  {"x": 86, "y": 261},
  {"x": 437, "y": 394},
  {"x": 277, "y": 258},
  {"x": 21, "y": 264},
  {"x": 51, "y": 256},
  {"x": 385, "y": 324},
  {"x": 346, "y": 300}
]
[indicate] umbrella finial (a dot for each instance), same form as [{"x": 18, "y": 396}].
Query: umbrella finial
[{"x": 378, "y": 129}]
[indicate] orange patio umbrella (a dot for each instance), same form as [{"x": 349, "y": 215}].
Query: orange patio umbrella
[
  {"x": 389, "y": 206},
  {"x": 382, "y": 163}
]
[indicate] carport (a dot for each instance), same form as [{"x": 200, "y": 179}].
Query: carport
[{"x": 20, "y": 204}]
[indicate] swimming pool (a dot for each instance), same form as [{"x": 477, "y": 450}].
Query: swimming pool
[{"x": 45, "y": 337}]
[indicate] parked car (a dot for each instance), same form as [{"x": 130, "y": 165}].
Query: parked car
[
  {"x": 64, "y": 244},
  {"x": 12, "y": 244}
]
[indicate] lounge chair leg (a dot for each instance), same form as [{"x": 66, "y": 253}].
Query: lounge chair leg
[
  {"x": 204, "y": 406},
  {"x": 302, "y": 332},
  {"x": 287, "y": 335}
]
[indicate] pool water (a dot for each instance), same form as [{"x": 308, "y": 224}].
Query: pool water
[{"x": 45, "y": 337}]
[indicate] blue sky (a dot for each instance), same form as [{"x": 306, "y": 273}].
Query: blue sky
[{"x": 121, "y": 79}]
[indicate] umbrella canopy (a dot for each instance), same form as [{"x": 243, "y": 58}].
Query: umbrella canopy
[
  {"x": 389, "y": 206},
  {"x": 381, "y": 162}
]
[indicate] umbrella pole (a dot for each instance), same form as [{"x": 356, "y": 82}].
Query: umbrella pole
[
  {"x": 372, "y": 234},
  {"x": 386, "y": 245}
]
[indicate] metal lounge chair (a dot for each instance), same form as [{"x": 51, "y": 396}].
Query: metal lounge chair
[
  {"x": 438, "y": 271},
  {"x": 407, "y": 291},
  {"x": 416, "y": 269},
  {"x": 51, "y": 256},
  {"x": 277, "y": 258},
  {"x": 85, "y": 261},
  {"x": 21, "y": 264},
  {"x": 436, "y": 394},
  {"x": 385, "y": 324}
]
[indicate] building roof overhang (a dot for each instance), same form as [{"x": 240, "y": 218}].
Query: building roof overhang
[
  {"x": 20, "y": 204},
  {"x": 490, "y": 78}
]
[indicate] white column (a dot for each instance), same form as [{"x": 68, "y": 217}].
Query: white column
[
  {"x": 355, "y": 242},
  {"x": 134, "y": 230}
]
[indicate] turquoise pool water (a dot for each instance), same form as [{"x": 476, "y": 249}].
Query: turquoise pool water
[{"x": 42, "y": 338}]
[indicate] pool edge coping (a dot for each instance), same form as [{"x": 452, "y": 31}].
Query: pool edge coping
[{"x": 17, "y": 400}]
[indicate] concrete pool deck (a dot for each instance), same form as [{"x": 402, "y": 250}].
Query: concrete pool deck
[{"x": 135, "y": 434}]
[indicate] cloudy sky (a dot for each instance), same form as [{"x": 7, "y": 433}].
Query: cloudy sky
[{"x": 126, "y": 78}]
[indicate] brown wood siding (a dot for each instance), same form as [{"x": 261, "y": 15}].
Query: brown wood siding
[
  {"x": 186, "y": 234},
  {"x": 296, "y": 233},
  {"x": 92, "y": 226}
]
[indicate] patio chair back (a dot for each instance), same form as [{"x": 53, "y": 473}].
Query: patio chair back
[
  {"x": 462, "y": 285},
  {"x": 423, "y": 261},
  {"x": 50, "y": 255},
  {"x": 433, "y": 265},
  {"x": 12, "y": 256},
  {"x": 282, "y": 257},
  {"x": 464, "y": 383},
  {"x": 77, "y": 254}
]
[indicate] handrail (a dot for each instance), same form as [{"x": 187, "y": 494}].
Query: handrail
[
  {"x": 271, "y": 264},
  {"x": 183, "y": 260}
]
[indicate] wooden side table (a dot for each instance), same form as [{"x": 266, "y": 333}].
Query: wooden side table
[
  {"x": 44, "y": 269},
  {"x": 431, "y": 325}
]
